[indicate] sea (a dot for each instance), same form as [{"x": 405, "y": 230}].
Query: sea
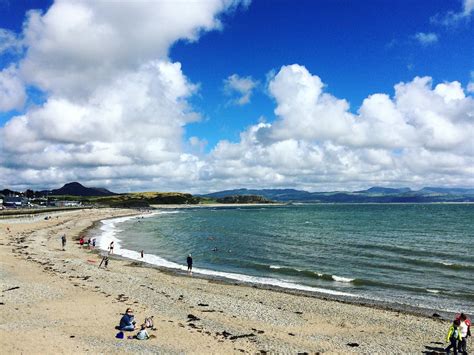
[{"x": 400, "y": 255}]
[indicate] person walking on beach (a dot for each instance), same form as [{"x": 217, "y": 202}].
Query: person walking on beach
[
  {"x": 465, "y": 330},
  {"x": 454, "y": 335},
  {"x": 63, "y": 241},
  {"x": 105, "y": 261},
  {"x": 189, "y": 260},
  {"x": 142, "y": 253},
  {"x": 111, "y": 247}
]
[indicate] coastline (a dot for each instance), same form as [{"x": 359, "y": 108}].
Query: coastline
[
  {"x": 320, "y": 294},
  {"x": 279, "y": 321}
]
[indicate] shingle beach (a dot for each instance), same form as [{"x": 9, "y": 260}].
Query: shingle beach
[{"x": 56, "y": 301}]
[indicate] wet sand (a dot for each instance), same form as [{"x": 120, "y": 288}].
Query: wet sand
[{"x": 56, "y": 301}]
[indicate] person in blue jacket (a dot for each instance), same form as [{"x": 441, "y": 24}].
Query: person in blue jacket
[{"x": 128, "y": 321}]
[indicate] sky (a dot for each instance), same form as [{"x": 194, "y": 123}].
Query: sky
[{"x": 207, "y": 95}]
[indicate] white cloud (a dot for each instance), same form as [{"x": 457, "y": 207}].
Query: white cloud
[
  {"x": 12, "y": 90},
  {"x": 468, "y": 7},
  {"x": 9, "y": 42},
  {"x": 317, "y": 143},
  {"x": 470, "y": 85},
  {"x": 77, "y": 46},
  {"x": 115, "y": 105},
  {"x": 452, "y": 18},
  {"x": 243, "y": 86},
  {"x": 116, "y": 110},
  {"x": 426, "y": 39}
]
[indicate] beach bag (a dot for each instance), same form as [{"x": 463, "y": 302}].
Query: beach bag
[
  {"x": 149, "y": 322},
  {"x": 119, "y": 335}
]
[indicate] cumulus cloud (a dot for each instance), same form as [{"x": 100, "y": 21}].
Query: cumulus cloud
[
  {"x": 115, "y": 105},
  {"x": 422, "y": 135},
  {"x": 243, "y": 86},
  {"x": 470, "y": 85},
  {"x": 77, "y": 46},
  {"x": 426, "y": 39},
  {"x": 12, "y": 90},
  {"x": 116, "y": 110},
  {"x": 9, "y": 42}
]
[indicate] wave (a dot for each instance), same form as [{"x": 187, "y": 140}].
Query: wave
[
  {"x": 398, "y": 250},
  {"x": 438, "y": 264},
  {"x": 109, "y": 234},
  {"x": 299, "y": 272},
  {"x": 341, "y": 279}
]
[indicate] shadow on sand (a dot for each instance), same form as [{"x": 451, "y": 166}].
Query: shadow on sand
[{"x": 434, "y": 349}]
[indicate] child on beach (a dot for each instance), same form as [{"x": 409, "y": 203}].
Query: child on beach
[
  {"x": 143, "y": 334},
  {"x": 454, "y": 335}
]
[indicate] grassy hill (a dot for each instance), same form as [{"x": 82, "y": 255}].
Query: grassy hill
[{"x": 138, "y": 199}]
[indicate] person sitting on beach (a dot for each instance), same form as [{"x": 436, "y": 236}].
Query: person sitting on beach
[
  {"x": 127, "y": 322},
  {"x": 143, "y": 334},
  {"x": 81, "y": 241},
  {"x": 454, "y": 335}
]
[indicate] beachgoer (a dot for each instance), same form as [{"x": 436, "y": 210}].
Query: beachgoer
[
  {"x": 127, "y": 322},
  {"x": 454, "y": 335},
  {"x": 81, "y": 241},
  {"x": 465, "y": 329},
  {"x": 143, "y": 334},
  {"x": 93, "y": 243},
  {"x": 89, "y": 242},
  {"x": 111, "y": 247},
  {"x": 189, "y": 260},
  {"x": 63, "y": 241},
  {"x": 141, "y": 253}
]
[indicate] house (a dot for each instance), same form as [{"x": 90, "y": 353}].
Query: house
[
  {"x": 15, "y": 202},
  {"x": 65, "y": 203}
]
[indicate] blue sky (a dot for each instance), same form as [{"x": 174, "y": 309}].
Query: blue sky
[
  {"x": 357, "y": 47},
  {"x": 342, "y": 51}
]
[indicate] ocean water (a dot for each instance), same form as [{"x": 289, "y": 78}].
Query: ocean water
[{"x": 420, "y": 255}]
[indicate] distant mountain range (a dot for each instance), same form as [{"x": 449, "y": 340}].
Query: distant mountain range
[{"x": 374, "y": 194}]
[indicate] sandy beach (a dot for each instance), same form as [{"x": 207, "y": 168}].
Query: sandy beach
[{"x": 56, "y": 301}]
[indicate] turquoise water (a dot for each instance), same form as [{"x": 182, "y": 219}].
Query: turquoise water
[{"x": 413, "y": 254}]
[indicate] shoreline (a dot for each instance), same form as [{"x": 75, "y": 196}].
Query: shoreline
[
  {"x": 227, "y": 280},
  {"x": 228, "y": 318}
]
